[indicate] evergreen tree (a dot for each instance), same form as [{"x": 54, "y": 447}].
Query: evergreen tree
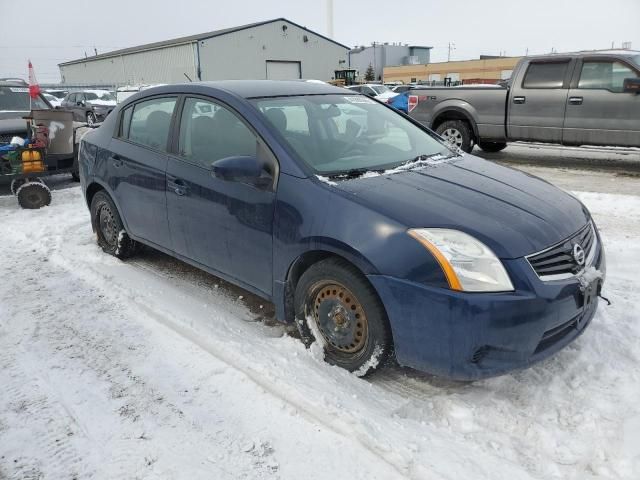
[{"x": 369, "y": 75}]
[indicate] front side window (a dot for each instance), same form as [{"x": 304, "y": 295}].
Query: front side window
[
  {"x": 150, "y": 122},
  {"x": 209, "y": 132},
  {"x": 605, "y": 75},
  {"x": 380, "y": 89},
  {"x": 545, "y": 75},
  {"x": 338, "y": 134}
]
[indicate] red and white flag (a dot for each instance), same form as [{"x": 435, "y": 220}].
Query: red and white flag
[{"x": 34, "y": 88}]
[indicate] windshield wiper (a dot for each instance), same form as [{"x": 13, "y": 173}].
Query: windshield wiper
[{"x": 353, "y": 173}]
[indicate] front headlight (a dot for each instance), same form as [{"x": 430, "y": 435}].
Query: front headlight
[{"x": 468, "y": 264}]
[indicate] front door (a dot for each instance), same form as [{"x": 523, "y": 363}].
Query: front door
[
  {"x": 224, "y": 225},
  {"x": 137, "y": 168},
  {"x": 537, "y": 105},
  {"x": 598, "y": 111}
]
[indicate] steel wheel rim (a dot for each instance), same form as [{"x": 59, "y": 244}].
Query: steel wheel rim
[
  {"x": 453, "y": 136},
  {"x": 107, "y": 226},
  {"x": 339, "y": 317}
]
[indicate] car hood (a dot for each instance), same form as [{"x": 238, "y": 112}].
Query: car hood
[{"x": 512, "y": 212}]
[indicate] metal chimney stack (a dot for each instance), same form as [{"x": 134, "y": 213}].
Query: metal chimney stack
[{"x": 330, "y": 18}]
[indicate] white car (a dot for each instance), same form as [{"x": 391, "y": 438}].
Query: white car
[
  {"x": 377, "y": 91},
  {"x": 53, "y": 100}
]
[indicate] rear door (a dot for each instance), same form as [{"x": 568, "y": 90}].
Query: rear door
[
  {"x": 224, "y": 225},
  {"x": 598, "y": 111},
  {"x": 137, "y": 168},
  {"x": 537, "y": 104}
]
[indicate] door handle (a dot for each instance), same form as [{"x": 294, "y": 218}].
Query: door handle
[
  {"x": 575, "y": 100},
  {"x": 117, "y": 161},
  {"x": 178, "y": 186},
  {"x": 519, "y": 100}
]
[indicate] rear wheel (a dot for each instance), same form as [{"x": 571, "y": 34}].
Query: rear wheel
[
  {"x": 33, "y": 195},
  {"x": 492, "y": 146},
  {"x": 457, "y": 133},
  {"x": 337, "y": 307},
  {"x": 110, "y": 232}
]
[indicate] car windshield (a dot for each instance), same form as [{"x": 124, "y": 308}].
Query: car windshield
[
  {"x": 105, "y": 96},
  {"x": 16, "y": 99},
  {"x": 380, "y": 89},
  {"x": 338, "y": 134}
]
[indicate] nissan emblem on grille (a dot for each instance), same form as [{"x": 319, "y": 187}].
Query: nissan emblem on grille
[{"x": 578, "y": 254}]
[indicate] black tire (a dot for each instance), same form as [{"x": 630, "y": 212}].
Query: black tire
[
  {"x": 91, "y": 118},
  {"x": 33, "y": 195},
  {"x": 492, "y": 147},
  {"x": 16, "y": 183},
  {"x": 458, "y": 133},
  {"x": 359, "y": 339},
  {"x": 110, "y": 233},
  {"x": 75, "y": 175}
]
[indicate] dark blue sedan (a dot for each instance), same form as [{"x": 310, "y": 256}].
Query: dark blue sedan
[{"x": 358, "y": 223}]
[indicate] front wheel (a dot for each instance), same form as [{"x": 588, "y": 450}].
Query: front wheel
[
  {"x": 337, "y": 307},
  {"x": 33, "y": 195},
  {"x": 110, "y": 232},
  {"x": 91, "y": 118},
  {"x": 457, "y": 133},
  {"x": 492, "y": 147}
]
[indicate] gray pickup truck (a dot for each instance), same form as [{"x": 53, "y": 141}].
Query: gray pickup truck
[{"x": 587, "y": 98}]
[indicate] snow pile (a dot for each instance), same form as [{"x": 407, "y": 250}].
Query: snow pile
[{"x": 144, "y": 369}]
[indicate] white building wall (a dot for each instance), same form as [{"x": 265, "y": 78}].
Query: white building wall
[
  {"x": 163, "y": 65},
  {"x": 244, "y": 54}
]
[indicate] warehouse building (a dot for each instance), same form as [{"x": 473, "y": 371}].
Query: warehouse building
[
  {"x": 486, "y": 69},
  {"x": 274, "y": 49},
  {"x": 381, "y": 55}
]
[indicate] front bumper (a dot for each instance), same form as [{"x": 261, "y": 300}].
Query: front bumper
[{"x": 467, "y": 336}]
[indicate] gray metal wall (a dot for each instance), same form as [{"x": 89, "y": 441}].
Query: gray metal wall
[
  {"x": 244, "y": 54},
  {"x": 163, "y": 65},
  {"x": 382, "y": 56}
]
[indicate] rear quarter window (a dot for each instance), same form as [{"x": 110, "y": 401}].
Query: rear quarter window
[{"x": 545, "y": 75}]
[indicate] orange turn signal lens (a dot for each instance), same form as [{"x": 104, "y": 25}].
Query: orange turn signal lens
[{"x": 447, "y": 269}]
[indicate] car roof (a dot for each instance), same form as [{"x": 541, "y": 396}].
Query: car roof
[
  {"x": 252, "y": 88},
  {"x": 13, "y": 82}
]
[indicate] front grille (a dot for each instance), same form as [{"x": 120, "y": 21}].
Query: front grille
[{"x": 558, "y": 262}]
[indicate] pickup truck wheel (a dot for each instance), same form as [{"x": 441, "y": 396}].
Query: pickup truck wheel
[
  {"x": 457, "y": 133},
  {"x": 492, "y": 146},
  {"x": 337, "y": 308}
]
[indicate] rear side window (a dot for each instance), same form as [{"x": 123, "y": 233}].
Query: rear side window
[
  {"x": 605, "y": 75},
  {"x": 545, "y": 75},
  {"x": 150, "y": 123}
]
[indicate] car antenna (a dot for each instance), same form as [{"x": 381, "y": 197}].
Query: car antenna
[{"x": 187, "y": 77}]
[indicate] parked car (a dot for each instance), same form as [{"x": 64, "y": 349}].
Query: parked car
[
  {"x": 373, "y": 238},
  {"x": 59, "y": 94},
  {"x": 379, "y": 92},
  {"x": 403, "y": 88},
  {"x": 587, "y": 98},
  {"x": 54, "y": 101},
  {"x": 91, "y": 106}
]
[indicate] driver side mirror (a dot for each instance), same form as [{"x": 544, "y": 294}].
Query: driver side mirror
[
  {"x": 80, "y": 103},
  {"x": 242, "y": 168},
  {"x": 631, "y": 85}
]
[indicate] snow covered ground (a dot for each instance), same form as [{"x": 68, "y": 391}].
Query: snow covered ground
[{"x": 151, "y": 369}]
